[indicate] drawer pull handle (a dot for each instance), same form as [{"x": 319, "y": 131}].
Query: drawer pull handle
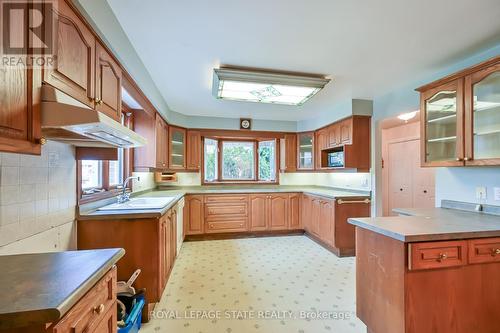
[
  {"x": 494, "y": 252},
  {"x": 442, "y": 256},
  {"x": 340, "y": 201},
  {"x": 99, "y": 309}
]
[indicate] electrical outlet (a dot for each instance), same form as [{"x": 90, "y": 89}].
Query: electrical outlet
[
  {"x": 481, "y": 193},
  {"x": 496, "y": 190}
]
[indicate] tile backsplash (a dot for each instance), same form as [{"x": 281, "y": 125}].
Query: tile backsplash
[{"x": 38, "y": 195}]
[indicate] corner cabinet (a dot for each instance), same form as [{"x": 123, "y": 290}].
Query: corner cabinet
[{"x": 460, "y": 118}]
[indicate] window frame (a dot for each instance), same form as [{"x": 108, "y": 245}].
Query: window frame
[
  {"x": 255, "y": 142},
  {"x": 109, "y": 190}
]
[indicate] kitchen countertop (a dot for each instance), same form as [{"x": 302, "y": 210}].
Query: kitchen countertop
[
  {"x": 179, "y": 192},
  {"x": 40, "y": 288},
  {"x": 420, "y": 225}
]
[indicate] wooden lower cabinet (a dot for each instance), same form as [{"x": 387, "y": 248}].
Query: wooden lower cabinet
[
  {"x": 150, "y": 244},
  {"x": 294, "y": 211},
  {"x": 326, "y": 221},
  {"x": 278, "y": 211},
  {"x": 398, "y": 293},
  {"x": 193, "y": 215}
]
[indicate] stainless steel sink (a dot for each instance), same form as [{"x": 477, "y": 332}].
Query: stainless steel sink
[{"x": 140, "y": 203}]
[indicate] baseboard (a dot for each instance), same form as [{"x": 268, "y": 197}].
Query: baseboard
[
  {"x": 339, "y": 252},
  {"x": 249, "y": 234}
]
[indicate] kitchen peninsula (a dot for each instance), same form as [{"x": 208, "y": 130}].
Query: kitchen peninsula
[{"x": 446, "y": 255}]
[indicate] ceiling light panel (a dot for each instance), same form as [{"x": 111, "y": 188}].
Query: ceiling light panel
[{"x": 264, "y": 87}]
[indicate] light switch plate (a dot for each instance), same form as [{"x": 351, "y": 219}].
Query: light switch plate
[
  {"x": 496, "y": 190},
  {"x": 481, "y": 193}
]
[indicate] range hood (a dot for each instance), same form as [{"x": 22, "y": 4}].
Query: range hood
[{"x": 65, "y": 119}]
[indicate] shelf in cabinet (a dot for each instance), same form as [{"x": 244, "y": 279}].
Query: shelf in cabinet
[
  {"x": 487, "y": 132},
  {"x": 444, "y": 139},
  {"x": 442, "y": 119},
  {"x": 177, "y": 142},
  {"x": 178, "y": 155},
  {"x": 306, "y": 146}
]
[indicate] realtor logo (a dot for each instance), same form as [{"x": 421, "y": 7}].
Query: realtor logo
[{"x": 27, "y": 27}]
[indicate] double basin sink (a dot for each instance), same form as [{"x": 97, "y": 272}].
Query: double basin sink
[{"x": 143, "y": 203}]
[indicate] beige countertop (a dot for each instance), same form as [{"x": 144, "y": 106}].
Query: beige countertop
[
  {"x": 432, "y": 224},
  {"x": 40, "y": 288},
  {"x": 179, "y": 192}
]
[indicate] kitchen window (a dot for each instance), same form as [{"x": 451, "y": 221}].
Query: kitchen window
[{"x": 234, "y": 160}]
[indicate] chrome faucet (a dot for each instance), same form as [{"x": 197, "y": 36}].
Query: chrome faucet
[{"x": 124, "y": 197}]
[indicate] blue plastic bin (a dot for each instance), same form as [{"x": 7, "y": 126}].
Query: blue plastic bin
[{"x": 133, "y": 320}]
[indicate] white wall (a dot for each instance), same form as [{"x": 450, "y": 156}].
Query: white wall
[{"x": 37, "y": 200}]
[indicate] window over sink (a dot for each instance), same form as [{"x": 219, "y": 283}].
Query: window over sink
[{"x": 239, "y": 160}]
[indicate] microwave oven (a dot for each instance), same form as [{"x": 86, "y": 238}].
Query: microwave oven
[{"x": 336, "y": 159}]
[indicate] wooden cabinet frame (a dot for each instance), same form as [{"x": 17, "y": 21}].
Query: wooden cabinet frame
[{"x": 313, "y": 142}]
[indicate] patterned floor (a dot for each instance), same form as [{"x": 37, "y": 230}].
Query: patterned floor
[{"x": 276, "y": 284}]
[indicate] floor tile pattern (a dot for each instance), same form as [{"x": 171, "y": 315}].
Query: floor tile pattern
[{"x": 273, "y": 284}]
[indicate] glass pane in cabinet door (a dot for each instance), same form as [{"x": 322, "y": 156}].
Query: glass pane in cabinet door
[
  {"x": 441, "y": 126},
  {"x": 306, "y": 151},
  {"x": 487, "y": 117},
  {"x": 177, "y": 148}
]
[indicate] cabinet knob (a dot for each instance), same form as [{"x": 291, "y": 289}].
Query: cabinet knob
[
  {"x": 425, "y": 191},
  {"x": 99, "y": 309},
  {"x": 468, "y": 159},
  {"x": 494, "y": 252},
  {"x": 401, "y": 189},
  {"x": 98, "y": 101},
  {"x": 459, "y": 159},
  {"x": 442, "y": 256}
]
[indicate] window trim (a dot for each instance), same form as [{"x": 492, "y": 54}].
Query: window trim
[{"x": 255, "y": 142}]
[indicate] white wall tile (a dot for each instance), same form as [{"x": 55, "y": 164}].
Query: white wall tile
[
  {"x": 9, "y": 159},
  {"x": 9, "y": 214},
  {"x": 9, "y": 176},
  {"x": 26, "y": 193}
]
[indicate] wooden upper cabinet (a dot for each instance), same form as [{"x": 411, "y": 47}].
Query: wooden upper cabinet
[
  {"x": 74, "y": 48},
  {"x": 177, "y": 148},
  {"x": 345, "y": 131},
  {"x": 305, "y": 151},
  {"x": 442, "y": 125},
  {"x": 19, "y": 103},
  {"x": 278, "y": 211},
  {"x": 194, "y": 215},
  {"x": 161, "y": 139},
  {"x": 290, "y": 152},
  {"x": 258, "y": 212},
  {"x": 482, "y": 116},
  {"x": 193, "y": 151},
  {"x": 108, "y": 96},
  {"x": 334, "y": 135},
  {"x": 460, "y": 117}
]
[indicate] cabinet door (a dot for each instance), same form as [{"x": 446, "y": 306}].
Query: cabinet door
[
  {"x": 482, "y": 117},
  {"x": 442, "y": 125},
  {"x": 161, "y": 142},
  {"x": 305, "y": 149},
  {"x": 177, "y": 148},
  {"x": 19, "y": 116},
  {"x": 278, "y": 211},
  {"x": 193, "y": 150},
  {"x": 306, "y": 212},
  {"x": 74, "y": 69},
  {"x": 290, "y": 152},
  {"x": 345, "y": 131},
  {"x": 108, "y": 84},
  {"x": 315, "y": 215},
  {"x": 258, "y": 212},
  {"x": 326, "y": 221},
  {"x": 294, "y": 217},
  {"x": 164, "y": 252},
  {"x": 334, "y": 135},
  {"x": 173, "y": 238},
  {"x": 194, "y": 215}
]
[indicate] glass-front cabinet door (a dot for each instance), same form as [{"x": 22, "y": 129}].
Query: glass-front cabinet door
[
  {"x": 442, "y": 120},
  {"x": 482, "y": 110},
  {"x": 306, "y": 150},
  {"x": 177, "y": 148}
]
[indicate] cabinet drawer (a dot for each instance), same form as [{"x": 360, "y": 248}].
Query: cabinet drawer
[
  {"x": 229, "y": 225},
  {"x": 484, "y": 250},
  {"x": 212, "y": 210},
  {"x": 225, "y": 198},
  {"x": 437, "y": 255},
  {"x": 92, "y": 309}
]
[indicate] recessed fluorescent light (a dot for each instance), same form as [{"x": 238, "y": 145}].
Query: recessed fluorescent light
[
  {"x": 407, "y": 116},
  {"x": 265, "y": 87}
]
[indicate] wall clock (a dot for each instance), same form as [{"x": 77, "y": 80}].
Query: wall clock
[{"x": 245, "y": 123}]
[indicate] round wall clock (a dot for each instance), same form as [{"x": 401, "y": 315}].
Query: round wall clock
[{"x": 245, "y": 124}]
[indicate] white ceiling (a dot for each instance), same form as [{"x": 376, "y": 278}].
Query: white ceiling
[{"x": 367, "y": 47}]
